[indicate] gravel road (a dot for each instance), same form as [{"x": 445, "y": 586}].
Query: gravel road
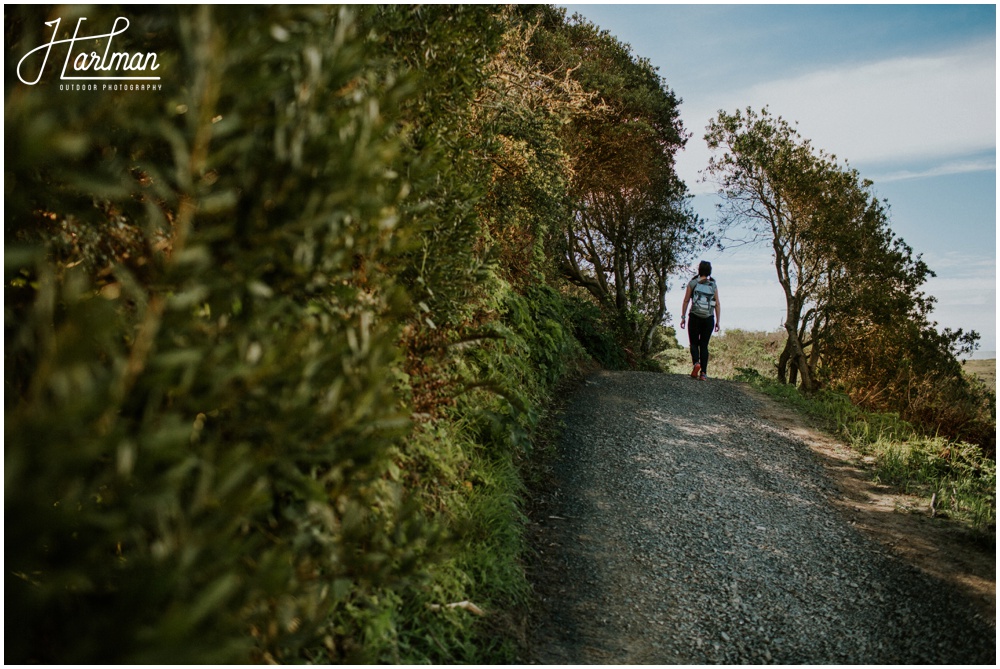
[{"x": 682, "y": 528}]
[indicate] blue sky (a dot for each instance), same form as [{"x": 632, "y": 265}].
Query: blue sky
[{"x": 905, "y": 93}]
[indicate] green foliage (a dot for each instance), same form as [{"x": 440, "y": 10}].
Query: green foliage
[
  {"x": 442, "y": 52},
  {"x": 198, "y": 461},
  {"x": 469, "y": 466},
  {"x": 631, "y": 225},
  {"x": 278, "y": 338},
  {"x": 524, "y": 110},
  {"x": 666, "y": 353},
  {"x": 855, "y": 315},
  {"x": 595, "y": 335}
]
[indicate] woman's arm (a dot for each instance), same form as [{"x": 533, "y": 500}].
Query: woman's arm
[
  {"x": 684, "y": 307},
  {"x": 718, "y": 309}
]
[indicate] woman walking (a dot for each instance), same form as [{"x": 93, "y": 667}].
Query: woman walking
[{"x": 706, "y": 312}]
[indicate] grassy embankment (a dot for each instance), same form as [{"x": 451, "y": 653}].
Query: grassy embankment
[{"x": 959, "y": 480}]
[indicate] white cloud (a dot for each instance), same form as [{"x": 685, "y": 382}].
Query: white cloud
[
  {"x": 962, "y": 264},
  {"x": 904, "y": 118},
  {"x": 930, "y": 108},
  {"x": 942, "y": 169}
]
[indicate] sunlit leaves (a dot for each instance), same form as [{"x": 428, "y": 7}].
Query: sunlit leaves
[{"x": 631, "y": 226}]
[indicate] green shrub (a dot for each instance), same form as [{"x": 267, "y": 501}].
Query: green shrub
[
  {"x": 198, "y": 445},
  {"x": 591, "y": 329},
  {"x": 269, "y": 381}
]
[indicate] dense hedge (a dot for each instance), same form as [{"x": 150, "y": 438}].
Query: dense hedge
[
  {"x": 277, "y": 336},
  {"x": 198, "y": 447}
]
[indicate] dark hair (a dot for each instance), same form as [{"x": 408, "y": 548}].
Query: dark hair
[{"x": 704, "y": 268}]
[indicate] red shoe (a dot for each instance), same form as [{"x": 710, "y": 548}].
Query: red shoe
[
  {"x": 696, "y": 371},
  {"x": 704, "y": 378}
]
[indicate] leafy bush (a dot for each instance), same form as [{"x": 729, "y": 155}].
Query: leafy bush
[
  {"x": 591, "y": 329},
  {"x": 932, "y": 393},
  {"x": 267, "y": 385},
  {"x": 198, "y": 455}
]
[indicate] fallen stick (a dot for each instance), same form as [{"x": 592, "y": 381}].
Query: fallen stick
[{"x": 467, "y": 605}]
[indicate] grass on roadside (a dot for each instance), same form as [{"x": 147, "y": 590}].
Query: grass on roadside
[
  {"x": 729, "y": 351},
  {"x": 955, "y": 478}
]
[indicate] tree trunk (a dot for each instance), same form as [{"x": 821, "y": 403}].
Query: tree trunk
[
  {"x": 798, "y": 359},
  {"x": 783, "y": 359},
  {"x": 793, "y": 353}
]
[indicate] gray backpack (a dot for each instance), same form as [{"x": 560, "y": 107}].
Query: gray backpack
[{"x": 703, "y": 298}]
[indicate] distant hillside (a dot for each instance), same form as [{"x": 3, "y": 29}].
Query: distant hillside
[{"x": 984, "y": 369}]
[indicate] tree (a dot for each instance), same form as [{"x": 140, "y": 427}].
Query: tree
[
  {"x": 631, "y": 225},
  {"x": 780, "y": 190},
  {"x": 855, "y": 313},
  {"x": 523, "y": 108}
]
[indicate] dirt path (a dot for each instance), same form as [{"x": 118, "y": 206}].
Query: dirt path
[{"x": 696, "y": 523}]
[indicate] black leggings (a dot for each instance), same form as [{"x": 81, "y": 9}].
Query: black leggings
[{"x": 699, "y": 332}]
